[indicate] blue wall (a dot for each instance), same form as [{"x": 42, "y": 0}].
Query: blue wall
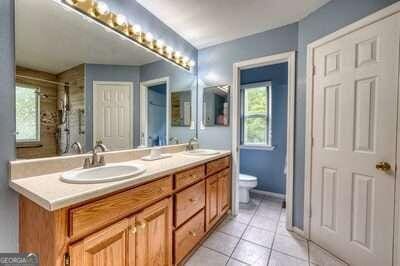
[
  {"x": 111, "y": 73},
  {"x": 215, "y": 68},
  {"x": 8, "y": 198},
  {"x": 179, "y": 80},
  {"x": 157, "y": 111},
  {"x": 269, "y": 166}
]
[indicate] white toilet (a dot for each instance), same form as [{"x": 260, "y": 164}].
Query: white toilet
[{"x": 246, "y": 182}]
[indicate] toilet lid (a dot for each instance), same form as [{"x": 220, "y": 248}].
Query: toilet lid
[{"x": 244, "y": 177}]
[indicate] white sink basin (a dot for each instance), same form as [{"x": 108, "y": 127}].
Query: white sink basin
[
  {"x": 107, "y": 173},
  {"x": 201, "y": 152}
]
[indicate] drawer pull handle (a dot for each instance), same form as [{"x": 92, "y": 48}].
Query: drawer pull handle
[
  {"x": 192, "y": 233},
  {"x": 194, "y": 176},
  {"x": 142, "y": 225},
  {"x": 132, "y": 229},
  {"x": 192, "y": 200}
]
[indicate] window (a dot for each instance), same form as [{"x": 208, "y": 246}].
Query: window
[
  {"x": 27, "y": 113},
  {"x": 256, "y": 115}
]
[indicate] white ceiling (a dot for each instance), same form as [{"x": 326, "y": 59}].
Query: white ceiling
[
  {"x": 51, "y": 39},
  {"x": 208, "y": 22}
]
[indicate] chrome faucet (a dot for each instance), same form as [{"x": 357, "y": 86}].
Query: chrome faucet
[
  {"x": 190, "y": 146},
  {"x": 77, "y": 147},
  {"x": 96, "y": 161},
  {"x": 174, "y": 139}
]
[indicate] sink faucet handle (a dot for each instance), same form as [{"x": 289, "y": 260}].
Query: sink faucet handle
[
  {"x": 86, "y": 163},
  {"x": 102, "y": 160}
]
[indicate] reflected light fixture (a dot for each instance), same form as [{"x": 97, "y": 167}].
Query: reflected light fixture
[{"x": 100, "y": 12}]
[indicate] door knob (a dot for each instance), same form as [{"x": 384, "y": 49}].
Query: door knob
[{"x": 383, "y": 166}]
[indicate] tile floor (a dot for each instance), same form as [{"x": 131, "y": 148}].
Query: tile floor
[{"x": 257, "y": 236}]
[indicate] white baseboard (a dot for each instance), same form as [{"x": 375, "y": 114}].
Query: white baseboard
[
  {"x": 267, "y": 193},
  {"x": 299, "y": 231}
]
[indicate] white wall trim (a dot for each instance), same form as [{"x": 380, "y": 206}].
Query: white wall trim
[
  {"x": 144, "y": 108},
  {"x": 270, "y": 194},
  {"x": 290, "y": 58},
  {"x": 132, "y": 115},
  {"x": 368, "y": 20}
]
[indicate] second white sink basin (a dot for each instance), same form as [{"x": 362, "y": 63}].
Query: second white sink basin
[
  {"x": 107, "y": 173},
  {"x": 201, "y": 152}
]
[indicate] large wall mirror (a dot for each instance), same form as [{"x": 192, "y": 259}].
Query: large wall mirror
[{"x": 77, "y": 84}]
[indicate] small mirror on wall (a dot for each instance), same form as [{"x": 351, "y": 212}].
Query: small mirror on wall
[{"x": 216, "y": 106}]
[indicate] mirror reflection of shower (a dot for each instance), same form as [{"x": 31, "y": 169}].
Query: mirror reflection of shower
[{"x": 64, "y": 127}]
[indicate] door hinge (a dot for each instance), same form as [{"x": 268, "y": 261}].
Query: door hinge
[
  {"x": 67, "y": 259},
  {"x": 310, "y": 213},
  {"x": 314, "y": 70},
  {"x": 312, "y": 142}
]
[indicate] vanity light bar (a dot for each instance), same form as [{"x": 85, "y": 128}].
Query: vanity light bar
[{"x": 100, "y": 12}]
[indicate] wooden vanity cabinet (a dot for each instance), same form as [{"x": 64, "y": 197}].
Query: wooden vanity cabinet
[
  {"x": 158, "y": 223},
  {"x": 217, "y": 193},
  {"x": 143, "y": 239}
]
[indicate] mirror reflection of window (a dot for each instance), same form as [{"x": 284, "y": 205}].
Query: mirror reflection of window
[
  {"x": 216, "y": 106},
  {"x": 27, "y": 114}
]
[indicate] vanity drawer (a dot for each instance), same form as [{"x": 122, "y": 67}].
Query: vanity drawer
[
  {"x": 189, "y": 201},
  {"x": 188, "y": 236},
  {"x": 217, "y": 165},
  {"x": 92, "y": 216},
  {"x": 190, "y": 176}
]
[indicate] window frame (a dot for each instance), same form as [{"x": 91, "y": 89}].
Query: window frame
[
  {"x": 37, "y": 141},
  {"x": 268, "y": 116}
]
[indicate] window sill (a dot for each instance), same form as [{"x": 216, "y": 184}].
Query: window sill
[
  {"x": 29, "y": 145},
  {"x": 263, "y": 148}
]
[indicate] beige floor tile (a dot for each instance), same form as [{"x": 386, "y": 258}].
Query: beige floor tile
[
  {"x": 233, "y": 262},
  {"x": 264, "y": 223},
  {"x": 233, "y": 228},
  {"x": 280, "y": 259},
  {"x": 251, "y": 253},
  {"x": 221, "y": 242},
  {"x": 205, "y": 256},
  {"x": 321, "y": 257},
  {"x": 292, "y": 246},
  {"x": 259, "y": 236}
]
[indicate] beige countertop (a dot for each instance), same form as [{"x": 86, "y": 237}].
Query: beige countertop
[{"x": 51, "y": 193}]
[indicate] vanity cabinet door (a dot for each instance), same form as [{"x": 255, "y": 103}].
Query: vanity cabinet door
[
  {"x": 223, "y": 192},
  {"x": 112, "y": 246},
  {"x": 154, "y": 235},
  {"x": 211, "y": 201}
]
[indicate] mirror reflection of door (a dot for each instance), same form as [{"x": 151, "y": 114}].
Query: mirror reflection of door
[
  {"x": 112, "y": 114},
  {"x": 157, "y": 115}
]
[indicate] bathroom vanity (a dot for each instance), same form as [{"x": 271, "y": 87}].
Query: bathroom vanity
[{"x": 156, "y": 218}]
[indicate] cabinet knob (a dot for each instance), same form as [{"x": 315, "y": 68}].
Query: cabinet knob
[
  {"x": 142, "y": 225},
  {"x": 132, "y": 229},
  {"x": 192, "y": 233}
]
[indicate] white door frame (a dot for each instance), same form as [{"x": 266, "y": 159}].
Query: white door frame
[
  {"x": 382, "y": 14},
  {"x": 144, "y": 86},
  {"x": 290, "y": 58},
  {"x": 131, "y": 113}
]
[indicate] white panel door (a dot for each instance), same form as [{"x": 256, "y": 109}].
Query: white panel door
[
  {"x": 112, "y": 114},
  {"x": 354, "y": 128}
]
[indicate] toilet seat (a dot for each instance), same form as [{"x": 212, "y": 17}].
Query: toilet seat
[{"x": 247, "y": 178}]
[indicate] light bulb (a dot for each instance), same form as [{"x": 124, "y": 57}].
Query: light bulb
[
  {"x": 160, "y": 43},
  {"x": 149, "y": 37},
  {"x": 177, "y": 54},
  {"x": 185, "y": 59},
  {"x": 169, "y": 49},
  {"x": 102, "y": 8},
  {"x": 137, "y": 28},
  {"x": 120, "y": 20},
  {"x": 192, "y": 63}
]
